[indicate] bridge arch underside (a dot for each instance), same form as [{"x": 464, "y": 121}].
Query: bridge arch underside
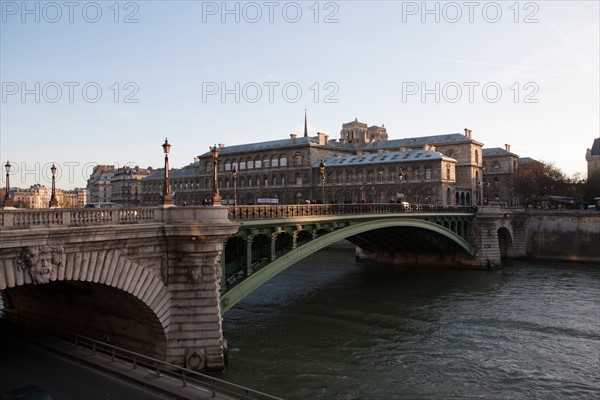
[
  {"x": 90, "y": 309},
  {"x": 391, "y": 241},
  {"x": 409, "y": 246}
]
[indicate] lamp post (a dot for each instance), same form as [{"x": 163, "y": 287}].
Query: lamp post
[
  {"x": 8, "y": 203},
  {"x": 322, "y": 168},
  {"x": 167, "y": 199},
  {"x": 216, "y": 198},
  {"x": 234, "y": 174},
  {"x": 401, "y": 179},
  {"x": 53, "y": 202}
]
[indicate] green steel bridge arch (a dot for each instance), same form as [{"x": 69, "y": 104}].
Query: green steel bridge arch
[{"x": 324, "y": 231}]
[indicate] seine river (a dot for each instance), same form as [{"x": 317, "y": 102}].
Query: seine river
[{"x": 329, "y": 328}]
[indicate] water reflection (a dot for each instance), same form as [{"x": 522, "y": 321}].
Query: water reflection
[{"x": 332, "y": 329}]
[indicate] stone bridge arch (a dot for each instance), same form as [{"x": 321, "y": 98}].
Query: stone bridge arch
[
  {"x": 101, "y": 293},
  {"x": 506, "y": 236}
]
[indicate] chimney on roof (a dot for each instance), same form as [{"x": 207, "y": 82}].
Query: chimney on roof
[
  {"x": 293, "y": 136},
  {"x": 322, "y": 138},
  {"x": 507, "y": 147},
  {"x": 468, "y": 133}
]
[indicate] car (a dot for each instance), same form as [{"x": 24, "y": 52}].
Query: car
[{"x": 102, "y": 204}]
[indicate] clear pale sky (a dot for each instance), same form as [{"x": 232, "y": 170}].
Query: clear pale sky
[{"x": 105, "y": 82}]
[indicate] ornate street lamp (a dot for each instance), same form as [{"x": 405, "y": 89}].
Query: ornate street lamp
[
  {"x": 322, "y": 168},
  {"x": 167, "y": 199},
  {"x": 8, "y": 203},
  {"x": 401, "y": 178},
  {"x": 53, "y": 202},
  {"x": 216, "y": 198},
  {"x": 234, "y": 174}
]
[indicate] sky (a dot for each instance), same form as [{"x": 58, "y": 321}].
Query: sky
[{"x": 105, "y": 82}]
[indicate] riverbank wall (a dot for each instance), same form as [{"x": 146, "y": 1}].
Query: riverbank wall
[{"x": 571, "y": 235}]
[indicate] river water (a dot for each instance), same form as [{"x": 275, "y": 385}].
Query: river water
[{"x": 329, "y": 328}]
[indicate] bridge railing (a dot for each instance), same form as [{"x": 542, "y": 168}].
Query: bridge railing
[
  {"x": 28, "y": 218},
  {"x": 215, "y": 386},
  {"x": 309, "y": 210},
  {"x": 65, "y": 217}
]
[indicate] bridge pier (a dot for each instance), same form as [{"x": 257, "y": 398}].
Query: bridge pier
[{"x": 485, "y": 229}]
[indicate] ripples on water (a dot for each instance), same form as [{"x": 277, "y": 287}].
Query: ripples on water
[{"x": 328, "y": 328}]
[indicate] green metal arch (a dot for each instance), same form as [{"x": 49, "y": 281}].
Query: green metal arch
[{"x": 254, "y": 281}]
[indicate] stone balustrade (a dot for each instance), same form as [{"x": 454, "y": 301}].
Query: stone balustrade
[
  {"x": 70, "y": 217},
  {"x": 73, "y": 217}
]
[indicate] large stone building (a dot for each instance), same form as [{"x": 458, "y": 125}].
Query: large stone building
[
  {"x": 592, "y": 157},
  {"x": 117, "y": 185},
  {"x": 75, "y": 198},
  {"x": 363, "y": 165},
  {"x": 126, "y": 187},
  {"x": 38, "y": 196},
  {"x": 99, "y": 188},
  {"x": 499, "y": 168},
  {"x": 464, "y": 149}
]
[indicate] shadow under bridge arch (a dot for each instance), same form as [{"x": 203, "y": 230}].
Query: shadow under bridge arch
[{"x": 400, "y": 234}]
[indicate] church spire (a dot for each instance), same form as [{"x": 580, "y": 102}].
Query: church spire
[{"x": 305, "y": 125}]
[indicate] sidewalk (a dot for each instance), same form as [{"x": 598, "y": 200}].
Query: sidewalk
[
  {"x": 169, "y": 386},
  {"x": 163, "y": 383}
]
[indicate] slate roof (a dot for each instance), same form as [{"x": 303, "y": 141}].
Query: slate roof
[
  {"x": 306, "y": 141},
  {"x": 387, "y": 157},
  {"x": 420, "y": 141},
  {"x": 526, "y": 160},
  {"x": 188, "y": 171},
  {"x": 270, "y": 145},
  {"x": 497, "y": 151},
  {"x": 596, "y": 147}
]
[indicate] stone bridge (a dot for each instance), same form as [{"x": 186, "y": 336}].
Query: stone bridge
[{"x": 157, "y": 280}]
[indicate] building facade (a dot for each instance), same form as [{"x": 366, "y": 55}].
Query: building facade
[
  {"x": 75, "y": 198},
  {"x": 499, "y": 169},
  {"x": 126, "y": 187},
  {"x": 363, "y": 165},
  {"x": 592, "y": 156},
  {"x": 99, "y": 188},
  {"x": 38, "y": 196},
  {"x": 467, "y": 152}
]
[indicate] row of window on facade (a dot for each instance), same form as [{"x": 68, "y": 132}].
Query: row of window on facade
[
  {"x": 412, "y": 175},
  {"x": 383, "y": 174},
  {"x": 362, "y": 194},
  {"x": 255, "y": 163}
]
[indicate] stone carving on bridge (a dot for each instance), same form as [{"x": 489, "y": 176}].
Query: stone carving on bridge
[
  {"x": 41, "y": 261},
  {"x": 196, "y": 274}
]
